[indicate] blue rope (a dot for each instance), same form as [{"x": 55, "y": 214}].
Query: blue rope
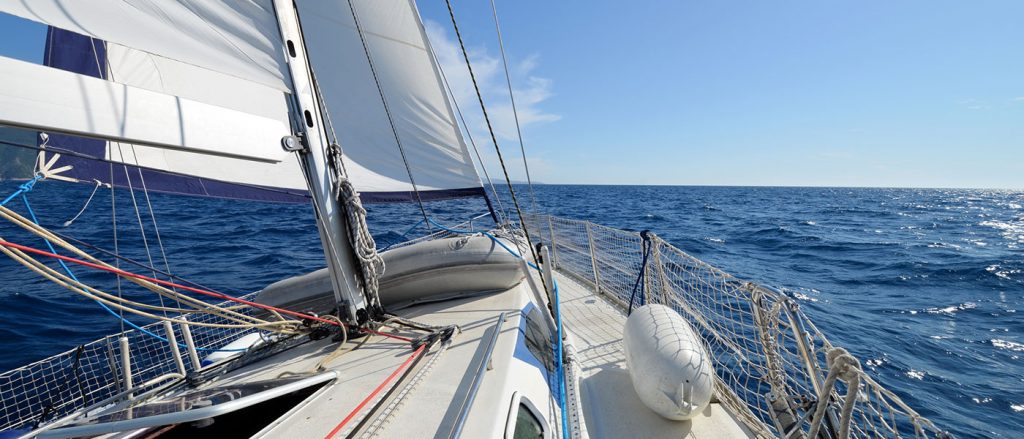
[
  {"x": 27, "y": 187},
  {"x": 414, "y": 226},
  {"x": 646, "y": 244},
  {"x": 22, "y": 188},
  {"x": 560, "y": 376}
]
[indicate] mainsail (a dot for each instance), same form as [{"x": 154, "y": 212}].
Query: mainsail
[{"x": 238, "y": 71}]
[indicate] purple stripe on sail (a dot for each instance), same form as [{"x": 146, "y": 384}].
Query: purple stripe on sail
[
  {"x": 410, "y": 196},
  {"x": 84, "y": 55},
  {"x": 81, "y": 54}
]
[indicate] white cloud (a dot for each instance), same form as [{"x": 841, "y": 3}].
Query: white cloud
[{"x": 531, "y": 91}]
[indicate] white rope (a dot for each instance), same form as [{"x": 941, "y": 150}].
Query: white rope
[
  {"x": 363, "y": 245},
  {"x": 80, "y": 212},
  {"x": 42, "y": 232},
  {"x": 841, "y": 366}
]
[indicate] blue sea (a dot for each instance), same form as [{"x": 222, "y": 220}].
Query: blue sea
[{"x": 923, "y": 285}]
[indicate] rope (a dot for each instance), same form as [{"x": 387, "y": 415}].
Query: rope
[
  {"x": 49, "y": 236},
  {"x": 22, "y": 188},
  {"x": 646, "y": 246},
  {"x": 84, "y": 206},
  {"x": 10, "y": 245},
  {"x": 71, "y": 281},
  {"x": 512, "y": 98},
  {"x": 365, "y": 248},
  {"x": 841, "y": 366}
]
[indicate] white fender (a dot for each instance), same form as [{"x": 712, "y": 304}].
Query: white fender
[{"x": 670, "y": 369}]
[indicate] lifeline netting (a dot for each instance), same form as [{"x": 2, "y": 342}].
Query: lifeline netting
[
  {"x": 67, "y": 382},
  {"x": 770, "y": 359}
]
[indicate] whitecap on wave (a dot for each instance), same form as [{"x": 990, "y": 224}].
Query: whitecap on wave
[
  {"x": 1002, "y": 273},
  {"x": 1009, "y": 345},
  {"x": 1013, "y": 231},
  {"x": 916, "y": 374},
  {"x": 950, "y": 310}
]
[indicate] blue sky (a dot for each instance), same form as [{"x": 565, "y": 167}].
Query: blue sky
[
  {"x": 809, "y": 93},
  {"x": 847, "y": 93}
]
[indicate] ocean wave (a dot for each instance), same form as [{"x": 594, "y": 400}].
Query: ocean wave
[
  {"x": 951, "y": 310},
  {"x": 1011, "y": 230},
  {"x": 1002, "y": 273},
  {"x": 1008, "y": 345}
]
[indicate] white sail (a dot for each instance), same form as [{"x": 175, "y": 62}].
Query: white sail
[
  {"x": 237, "y": 37},
  {"x": 407, "y": 73},
  {"x": 237, "y": 40},
  {"x": 245, "y": 114}
]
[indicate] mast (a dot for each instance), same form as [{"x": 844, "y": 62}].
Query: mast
[{"x": 312, "y": 143}]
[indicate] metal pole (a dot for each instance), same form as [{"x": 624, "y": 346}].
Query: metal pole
[
  {"x": 549, "y": 273},
  {"x": 332, "y": 222},
  {"x": 126, "y": 364},
  {"x": 593, "y": 258},
  {"x": 554, "y": 247},
  {"x": 483, "y": 367},
  {"x": 186, "y": 333},
  {"x": 175, "y": 352}
]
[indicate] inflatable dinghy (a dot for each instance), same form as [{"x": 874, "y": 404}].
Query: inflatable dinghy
[{"x": 422, "y": 272}]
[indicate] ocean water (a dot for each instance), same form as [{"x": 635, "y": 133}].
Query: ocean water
[{"x": 925, "y": 286}]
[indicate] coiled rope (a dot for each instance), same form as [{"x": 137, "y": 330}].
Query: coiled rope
[{"x": 365, "y": 248}]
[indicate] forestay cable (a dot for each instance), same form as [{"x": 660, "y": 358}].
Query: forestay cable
[
  {"x": 512, "y": 98},
  {"x": 494, "y": 139},
  {"x": 469, "y": 134}
]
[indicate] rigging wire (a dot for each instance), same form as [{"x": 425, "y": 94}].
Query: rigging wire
[
  {"x": 512, "y": 98},
  {"x": 138, "y": 216},
  {"x": 156, "y": 228},
  {"x": 113, "y": 221},
  {"x": 494, "y": 139},
  {"x": 387, "y": 110},
  {"x": 105, "y": 68}
]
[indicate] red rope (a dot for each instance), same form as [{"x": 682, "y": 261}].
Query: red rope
[
  {"x": 120, "y": 272},
  {"x": 373, "y": 395}
]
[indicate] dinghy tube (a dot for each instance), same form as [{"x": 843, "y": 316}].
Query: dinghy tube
[
  {"x": 426, "y": 271},
  {"x": 670, "y": 369}
]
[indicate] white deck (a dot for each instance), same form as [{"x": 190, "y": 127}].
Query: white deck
[{"x": 610, "y": 405}]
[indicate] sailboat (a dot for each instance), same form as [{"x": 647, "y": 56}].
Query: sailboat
[{"x": 538, "y": 327}]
